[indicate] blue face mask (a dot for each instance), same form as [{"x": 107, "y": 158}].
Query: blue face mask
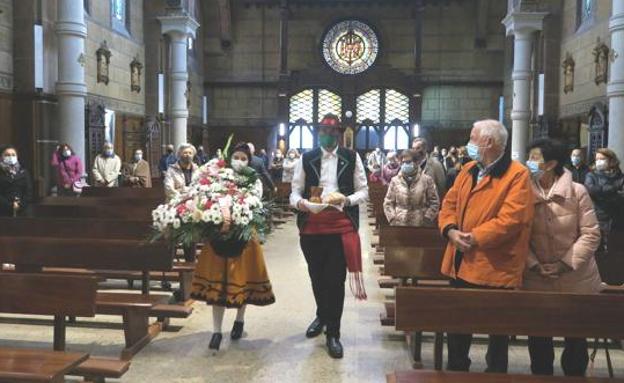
[
  {"x": 533, "y": 166},
  {"x": 407, "y": 168},
  {"x": 473, "y": 152},
  {"x": 576, "y": 161}
]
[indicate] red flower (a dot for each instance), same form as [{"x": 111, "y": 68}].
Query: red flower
[
  {"x": 208, "y": 204},
  {"x": 221, "y": 163},
  {"x": 181, "y": 209},
  {"x": 204, "y": 181}
]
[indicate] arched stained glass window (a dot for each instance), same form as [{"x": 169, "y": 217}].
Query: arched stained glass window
[
  {"x": 585, "y": 11},
  {"x": 119, "y": 15},
  {"x": 383, "y": 118},
  {"x": 328, "y": 102},
  {"x": 306, "y": 110}
]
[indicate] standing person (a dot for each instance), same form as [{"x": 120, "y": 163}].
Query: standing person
[
  {"x": 578, "y": 167},
  {"x": 257, "y": 164},
  {"x": 606, "y": 188},
  {"x": 233, "y": 282},
  {"x": 564, "y": 237},
  {"x": 265, "y": 158},
  {"x": 486, "y": 217},
  {"x": 16, "y": 191},
  {"x": 277, "y": 166},
  {"x": 137, "y": 173},
  {"x": 177, "y": 180},
  {"x": 107, "y": 167},
  {"x": 201, "y": 157},
  {"x": 450, "y": 159},
  {"x": 430, "y": 165},
  {"x": 391, "y": 168},
  {"x": 289, "y": 165},
  {"x": 69, "y": 169},
  {"x": 376, "y": 161},
  {"x": 167, "y": 159},
  {"x": 412, "y": 198},
  {"x": 329, "y": 239}
]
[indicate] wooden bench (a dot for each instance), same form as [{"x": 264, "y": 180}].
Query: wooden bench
[
  {"x": 123, "y": 192},
  {"x": 459, "y": 377},
  {"x": 17, "y": 365},
  {"x": 508, "y": 312},
  {"x": 98, "y": 228},
  {"x": 57, "y": 296},
  {"x": 33, "y": 253},
  {"x": 140, "y": 213},
  {"x": 149, "y": 203}
]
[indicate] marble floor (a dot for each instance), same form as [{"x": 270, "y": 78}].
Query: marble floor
[{"x": 274, "y": 348}]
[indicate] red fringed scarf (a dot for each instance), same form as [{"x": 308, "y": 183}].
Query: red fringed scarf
[{"x": 332, "y": 221}]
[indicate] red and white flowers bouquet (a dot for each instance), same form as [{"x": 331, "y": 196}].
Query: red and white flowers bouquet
[{"x": 216, "y": 192}]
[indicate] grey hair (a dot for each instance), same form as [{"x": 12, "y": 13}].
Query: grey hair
[
  {"x": 183, "y": 147},
  {"x": 495, "y": 130}
]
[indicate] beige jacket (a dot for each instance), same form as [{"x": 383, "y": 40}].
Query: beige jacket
[
  {"x": 137, "y": 174},
  {"x": 564, "y": 229},
  {"x": 174, "y": 180},
  {"x": 416, "y": 204},
  {"x": 106, "y": 170}
]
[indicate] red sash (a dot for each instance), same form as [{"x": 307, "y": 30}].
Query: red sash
[{"x": 332, "y": 221}]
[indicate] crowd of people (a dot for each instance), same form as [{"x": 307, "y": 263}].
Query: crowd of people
[{"x": 534, "y": 226}]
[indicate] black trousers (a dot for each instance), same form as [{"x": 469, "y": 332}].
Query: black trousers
[
  {"x": 328, "y": 272},
  {"x": 574, "y": 359},
  {"x": 459, "y": 345}
]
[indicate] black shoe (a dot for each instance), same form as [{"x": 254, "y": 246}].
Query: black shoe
[
  {"x": 215, "y": 342},
  {"x": 315, "y": 329},
  {"x": 334, "y": 347},
  {"x": 237, "y": 330}
]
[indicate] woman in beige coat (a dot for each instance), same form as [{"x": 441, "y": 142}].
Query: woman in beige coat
[
  {"x": 412, "y": 197},
  {"x": 564, "y": 237}
]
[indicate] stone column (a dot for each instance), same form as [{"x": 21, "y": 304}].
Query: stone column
[
  {"x": 615, "y": 88},
  {"x": 178, "y": 28},
  {"x": 70, "y": 87},
  {"x": 522, "y": 25}
]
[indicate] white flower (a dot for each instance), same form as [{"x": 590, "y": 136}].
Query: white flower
[{"x": 176, "y": 223}]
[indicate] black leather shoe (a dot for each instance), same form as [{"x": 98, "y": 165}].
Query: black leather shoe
[
  {"x": 215, "y": 341},
  {"x": 237, "y": 330},
  {"x": 334, "y": 347},
  {"x": 315, "y": 329}
]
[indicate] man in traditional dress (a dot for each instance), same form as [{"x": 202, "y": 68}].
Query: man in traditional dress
[{"x": 329, "y": 239}]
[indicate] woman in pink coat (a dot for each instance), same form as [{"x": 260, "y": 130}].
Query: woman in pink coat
[
  {"x": 68, "y": 169},
  {"x": 564, "y": 237}
]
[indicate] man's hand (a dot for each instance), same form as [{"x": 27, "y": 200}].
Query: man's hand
[
  {"x": 302, "y": 207},
  {"x": 462, "y": 241}
]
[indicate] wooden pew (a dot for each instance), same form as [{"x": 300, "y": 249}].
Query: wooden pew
[
  {"x": 57, "y": 296},
  {"x": 32, "y": 254},
  {"x": 98, "y": 228},
  {"x": 130, "y": 212},
  {"x": 123, "y": 192},
  {"x": 508, "y": 312},
  {"x": 149, "y": 203},
  {"x": 458, "y": 377},
  {"x": 376, "y": 195}
]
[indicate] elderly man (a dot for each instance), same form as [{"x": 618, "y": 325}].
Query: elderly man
[
  {"x": 430, "y": 165},
  {"x": 486, "y": 217},
  {"x": 578, "y": 167},
  {"x": 329, "y": 239},
  {"x": 107, "y": 167},
  {"x": 137, "y": 172}
]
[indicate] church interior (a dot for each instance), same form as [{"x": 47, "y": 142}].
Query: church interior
[{"x": 402, "y": 172}]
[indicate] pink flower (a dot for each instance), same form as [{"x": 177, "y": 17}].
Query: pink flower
[{"x": 221, "y": 163}]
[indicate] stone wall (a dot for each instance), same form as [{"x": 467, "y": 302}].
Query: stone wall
[
  {"x": 117, "y": 95},
  {"x": 580, "y": 43}
]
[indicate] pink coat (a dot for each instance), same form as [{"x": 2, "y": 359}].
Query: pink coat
[
  {"x": 68, "y": 171},
  {"x": 564, "y": 229}
]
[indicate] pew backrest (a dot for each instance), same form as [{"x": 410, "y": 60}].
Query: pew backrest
[
  {"x": 74, "y": 228},
  {"x": 414, "y": 262},
  {"x": 124, "y": 192},
  {"x": 428, "y": 237},
  {"x": 509, "y": 312}
]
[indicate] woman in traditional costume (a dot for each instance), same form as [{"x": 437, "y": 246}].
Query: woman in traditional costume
[{"x": 232, "y": 275}]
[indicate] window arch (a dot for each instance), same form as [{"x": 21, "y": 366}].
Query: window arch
[
  {"x": 120, "y": 16},
  {"x": 306, "y": 110},
  {"x": 382, "y": 117},
  {"x": 584, "y": 11}
]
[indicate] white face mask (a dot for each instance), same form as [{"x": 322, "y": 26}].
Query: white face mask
[
  {"x": 601, "y": 165},
  {"x": 138, "y": 157},
  {"x": 67, "y": 153},
  {"x": 10, "y": 160},
  {"x": 239, "y": 165}
]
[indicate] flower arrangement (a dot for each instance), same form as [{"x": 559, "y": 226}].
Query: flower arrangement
[{"x": 216, "y": 192}]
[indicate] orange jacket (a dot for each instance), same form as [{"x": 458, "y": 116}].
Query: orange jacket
[{"x": 498, "y": 212}]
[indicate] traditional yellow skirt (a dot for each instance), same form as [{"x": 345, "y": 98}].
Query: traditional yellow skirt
[{"x": 232, "y": 282}]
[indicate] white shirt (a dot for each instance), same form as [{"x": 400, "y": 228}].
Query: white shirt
[{"x": 329, "y": 179}]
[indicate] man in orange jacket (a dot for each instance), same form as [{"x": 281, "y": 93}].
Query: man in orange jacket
[{"x": 486, "y": 217}]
